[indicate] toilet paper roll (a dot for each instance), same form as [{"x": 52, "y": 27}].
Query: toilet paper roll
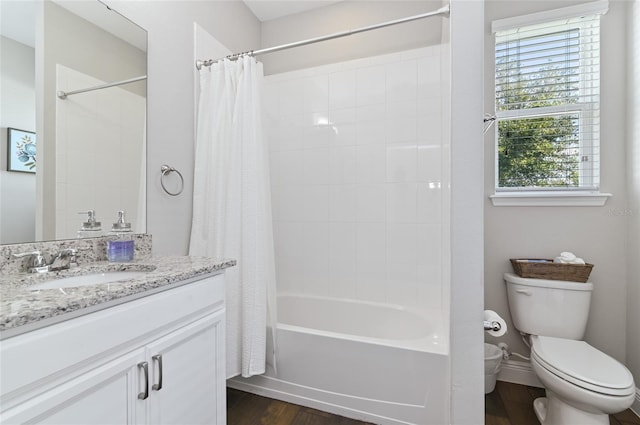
[{"x": 491, "y": 316}]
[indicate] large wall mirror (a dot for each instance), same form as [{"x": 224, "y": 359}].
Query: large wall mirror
[{"x": 90, "y": 146}]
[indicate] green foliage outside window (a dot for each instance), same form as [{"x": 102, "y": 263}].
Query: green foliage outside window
[{"x": 537, "y": 150}]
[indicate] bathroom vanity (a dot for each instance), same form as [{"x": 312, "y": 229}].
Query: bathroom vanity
[{"x": 145, "y": 350}]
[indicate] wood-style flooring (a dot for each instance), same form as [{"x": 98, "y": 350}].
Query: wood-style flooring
[
  {"x": 512, "y": 404},
  {"x": 508, "y": 404},
  {"x": 250, "y": 409}
]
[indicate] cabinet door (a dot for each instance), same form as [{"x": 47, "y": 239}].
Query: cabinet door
[
  {"x": 103, "y": 395},
  {"x": 187, "y": 369}
]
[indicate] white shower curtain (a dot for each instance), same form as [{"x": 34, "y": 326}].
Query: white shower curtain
[{"x": 232, "y": 205}]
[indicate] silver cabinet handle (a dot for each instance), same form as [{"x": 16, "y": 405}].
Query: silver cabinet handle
[
  {"x": 145, "y": 367},
  {"x": 158, "y": 358}
]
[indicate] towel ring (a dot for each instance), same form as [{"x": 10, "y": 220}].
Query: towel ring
[{"x": 165, "y": 169}]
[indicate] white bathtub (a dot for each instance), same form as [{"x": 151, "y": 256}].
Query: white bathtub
[{"x": 368, "y": 361}]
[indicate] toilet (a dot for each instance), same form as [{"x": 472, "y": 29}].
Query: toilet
[{"x": 583, "y": 385}]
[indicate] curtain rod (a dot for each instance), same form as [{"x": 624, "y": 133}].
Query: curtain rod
[
  {"x": 63, "y": 95},
  {"x": 442, "y": 11}
]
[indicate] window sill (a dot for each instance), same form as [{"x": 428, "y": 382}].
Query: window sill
[{"x": 549, "y": 199}]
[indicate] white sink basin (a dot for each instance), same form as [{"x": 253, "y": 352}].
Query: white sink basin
[{"x": 89, "y": 279}]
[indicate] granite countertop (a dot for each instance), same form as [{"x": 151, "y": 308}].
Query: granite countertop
[{"x": 23, "y": 309}]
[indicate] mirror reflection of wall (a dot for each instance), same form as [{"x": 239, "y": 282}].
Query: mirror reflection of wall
[
  {"x": 17, "y": 103},
  {"x": 91, "y": 145},
  {"x": 99, "y": 134}
]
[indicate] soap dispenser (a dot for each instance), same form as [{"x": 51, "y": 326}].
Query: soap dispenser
[
  {"x": 120, "y": 248},
  {"x": 90, "y": 228}
]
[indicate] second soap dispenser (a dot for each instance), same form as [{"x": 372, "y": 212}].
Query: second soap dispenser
[
  {"x": 121, "y": 248},
  {"x": 90, "y": 228}
]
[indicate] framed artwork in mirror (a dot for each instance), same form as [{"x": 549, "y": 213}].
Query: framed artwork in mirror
[{"x": 21, "y": 147}]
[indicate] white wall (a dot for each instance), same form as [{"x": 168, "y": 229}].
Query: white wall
[
  {"x": 357, "y": 177},
  {"x": 598, "y": 234},
  {"x": 633, "y": 187},
  {"x": 344, "y": 16},
  {"x": 18, "y": 110},
  {"x": 171, "y": 114},
  {"x": 467, "y": 364}
]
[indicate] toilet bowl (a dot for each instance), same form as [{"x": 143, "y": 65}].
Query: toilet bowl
[{"x": 583, "y": 385}]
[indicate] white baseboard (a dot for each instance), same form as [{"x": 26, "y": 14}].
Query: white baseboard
[
  {"x": 636, "y": 404},
  {"x": 518, "y": 372}
]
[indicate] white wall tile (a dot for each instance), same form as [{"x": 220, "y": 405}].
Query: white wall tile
[
  {"x": 401, "y": 130},
  {"x": 401, "y": 109},
  {"x": 315, "y": 252},
  {"x": 402, "y": 285},
  {"x": 270, "y": 100},
  {"x": 291, "y": 100},
  {"x": 371, "y": 133},
  {"x": 429, "y": 126},
  {"x": 289, "y": 261},
  {"x": 317, "y": 130},
  {"x": 342, "y": 89},
  {"x": 402, "y": 80},
  {"x": 357, "y": 195},
  {"x": 402, "y": 202},
  {"x": 429, "y": 243},
  {"x": 371, "y": 164},
  {"x": 291, "y": 132},
  {"x": 428, "y": 77},
  {"x": 342, "y": 260},
  {"x": 315, "y": 164},
  {"x": 371, "y": 261},
  {"x": 315, "y": 203},
  {"x": 342, "y": 203},
  {"x": 316, "y": 93},
  {"x": 402, "y": 162},
  {"x": 429, "y": 204},
  {"x": 371, "y": 113},
  {"x": 370, "y": 124},
  {"x": 429, "y": 162},
  {"x": 290, "y": 206},
  {"x": 430, "y": 290},
  {"x": 290, "y": 167},
  {"x": 370, "y": 203},
  {"x": 342, "y": 165},
  {"x": 402, "y": 244},
  {"x": 343, "y": 124},
  {"x": 370, "y": 85}
]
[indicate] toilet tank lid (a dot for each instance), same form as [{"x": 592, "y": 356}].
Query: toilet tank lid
[{"x": 546, "y": 283}]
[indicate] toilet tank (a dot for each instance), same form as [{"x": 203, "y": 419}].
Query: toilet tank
[{"x": 549, "y": 307}]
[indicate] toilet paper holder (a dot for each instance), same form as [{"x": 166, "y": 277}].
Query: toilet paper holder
[{"x": 491, "y": 326}]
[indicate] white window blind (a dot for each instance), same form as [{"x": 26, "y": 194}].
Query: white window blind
[{"x": 547, "y": 105}]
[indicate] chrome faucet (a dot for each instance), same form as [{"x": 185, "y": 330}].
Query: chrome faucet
[
  {"x": 63, "y": 260},
  {"x": 36, "y": 262}
]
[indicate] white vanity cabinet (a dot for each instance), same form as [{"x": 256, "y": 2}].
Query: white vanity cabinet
[{"x": 155, "y": 360}]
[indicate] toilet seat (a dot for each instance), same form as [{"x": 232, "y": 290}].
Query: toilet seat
[{"x": 582, "y": 365}]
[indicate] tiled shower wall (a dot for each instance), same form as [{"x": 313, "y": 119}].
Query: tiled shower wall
[
  {"x": 99, "y": 154},
  {"x": 358, "y": 170}
]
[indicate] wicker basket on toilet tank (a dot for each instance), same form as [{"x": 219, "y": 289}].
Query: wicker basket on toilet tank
[{"x": 547, "y": 269}]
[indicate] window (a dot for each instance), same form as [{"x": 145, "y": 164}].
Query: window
[{"x": 547, "y": 83}]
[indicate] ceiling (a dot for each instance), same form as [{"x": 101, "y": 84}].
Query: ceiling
[{"x": 266, "y": 10}]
